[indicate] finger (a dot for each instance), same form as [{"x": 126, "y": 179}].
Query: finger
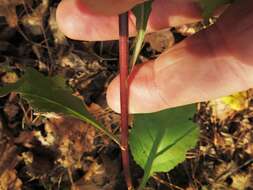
[
  {"x": 109, "y": 7},
  {"x": 78, "y": 21},
  {"x": 210, "y": 64}
]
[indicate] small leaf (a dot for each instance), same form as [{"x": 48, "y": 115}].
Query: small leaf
[
  {"x": 50, "y": 94},
  {"x": 159, "y": 141},
  {"x": 209, "y": 6},
  {"x": 141, "y": 12}
]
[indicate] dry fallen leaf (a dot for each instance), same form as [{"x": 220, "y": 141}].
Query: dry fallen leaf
[
  {"x": 9, "y": 180},
  {"x": 160, "y": 41},
  {"x": 101, "y": 176},
  {"x": 8, "y": 161},
  {"x": 8, "y": 10},
  {"x": 242, "y": 181},
  {"x": 9, "y": 157},
  {"x": 72, "y": 137},
  {"x": 226, "y": 107}
]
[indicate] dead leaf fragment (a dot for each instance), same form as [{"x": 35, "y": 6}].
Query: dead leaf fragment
[
  {"x": 9, "y": 180},
  {"x": 9, "y": 77},
  {"x": 72, "y": 137},
  {"x": 99, "y": 176},
  {"x": 9, "y": 157},
  {"x": 160, "y": 41},
  {"x": 8, "y": 10}
]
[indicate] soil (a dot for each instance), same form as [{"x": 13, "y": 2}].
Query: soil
[{"x": 40, "y": 152}]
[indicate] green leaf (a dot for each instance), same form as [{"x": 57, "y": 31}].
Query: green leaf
[
  {"x": 209, "y": 6},
  {"x": 50, "y": 94},
  {"x": 159, "y": 141},
  {"x": 141, "y": 12}
]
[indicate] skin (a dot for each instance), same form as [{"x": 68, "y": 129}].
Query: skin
[{"x": 212, "y": 63}]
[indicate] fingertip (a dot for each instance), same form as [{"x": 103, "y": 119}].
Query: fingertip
[
  {"x": 65, "y": 18},
  {"x": 77, "y": 22}
]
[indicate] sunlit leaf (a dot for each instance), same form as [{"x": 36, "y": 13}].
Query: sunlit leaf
[
  {"x": 237, "y": 101},
  {"x": 159, "y": 141},
  {"x": 50, "y": 94},
  {"x": 209, "y": 6}
]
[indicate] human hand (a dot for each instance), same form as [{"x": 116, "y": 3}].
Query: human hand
[{"x": 212, "y": 63}]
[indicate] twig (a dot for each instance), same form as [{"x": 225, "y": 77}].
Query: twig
[
  {"x": 170, "y": 185},
  {"x": 123, "y": 59}
]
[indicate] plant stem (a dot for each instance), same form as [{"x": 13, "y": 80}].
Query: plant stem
[{"x": 123, "y": 59}]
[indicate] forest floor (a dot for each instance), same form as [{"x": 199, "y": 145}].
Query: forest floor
[{"x": 39, "y": 152}]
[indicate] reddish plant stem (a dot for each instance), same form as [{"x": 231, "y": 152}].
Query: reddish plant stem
[{"x": 123, "y": 60}]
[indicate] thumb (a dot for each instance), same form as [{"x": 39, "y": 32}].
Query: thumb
[{"x": 198, "y": 69}]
